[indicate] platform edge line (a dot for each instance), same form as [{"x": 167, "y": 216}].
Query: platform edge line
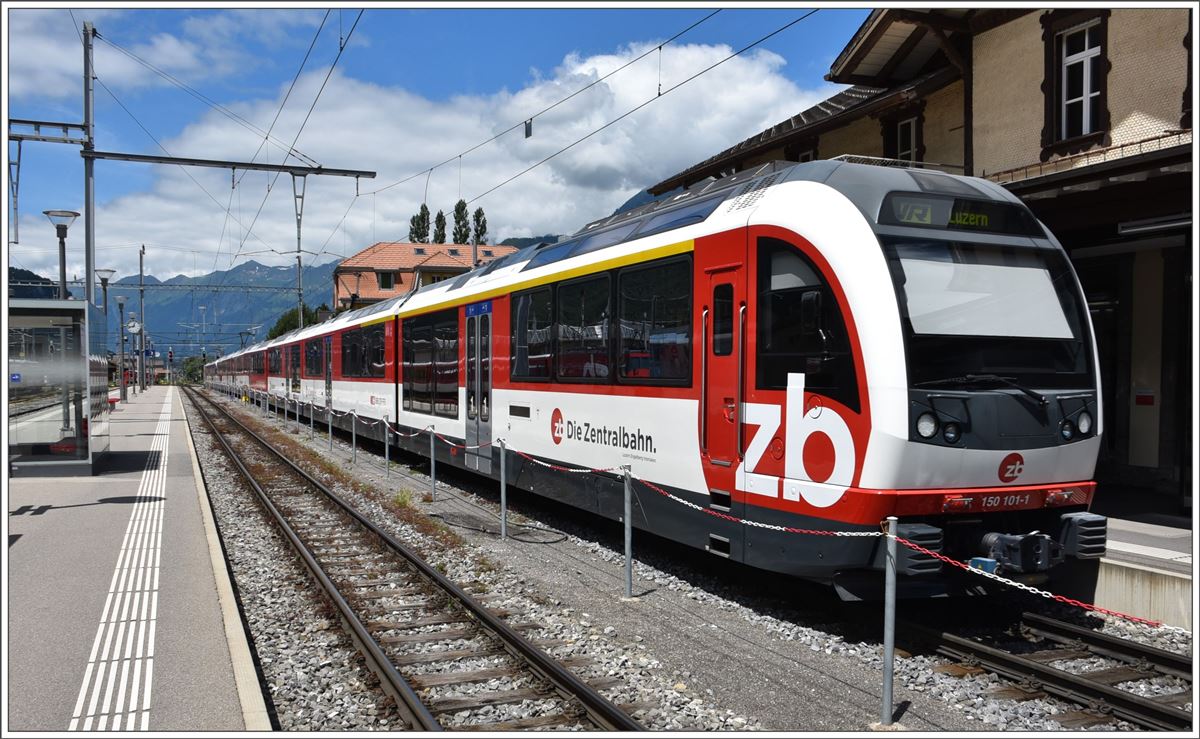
[{"x": 245, "y": 677}]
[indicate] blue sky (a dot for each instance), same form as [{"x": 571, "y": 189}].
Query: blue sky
[{"x": 413, "y": 87}]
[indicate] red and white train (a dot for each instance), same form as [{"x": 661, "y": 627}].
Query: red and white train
[{"x": 816, "y": 345}]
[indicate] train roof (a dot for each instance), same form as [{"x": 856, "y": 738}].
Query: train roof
[{"x": 656, "y": 226}]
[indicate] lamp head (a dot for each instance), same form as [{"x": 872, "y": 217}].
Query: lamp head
[
  {"x": 104, "y": 275},
  {"x": 121, "y": 301},
  {"x": 61, "y": 218}
]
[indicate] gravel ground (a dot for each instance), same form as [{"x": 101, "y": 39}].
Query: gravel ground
[
  {"x": 314, "y": 676},
  {"x": 704, "y": 635}
]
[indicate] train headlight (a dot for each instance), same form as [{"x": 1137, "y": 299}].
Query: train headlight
[
  {"x": 951, "y": 433},
  {"x": 1067, "y": 430},
  {"x": 1084, "y": 423},
  {"x": 927, "y": 425}
]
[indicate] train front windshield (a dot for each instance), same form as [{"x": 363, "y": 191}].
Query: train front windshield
[{"x": 973, "y": 308}]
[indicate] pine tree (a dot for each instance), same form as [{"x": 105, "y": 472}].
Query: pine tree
[
  {"x": 480, "y": 227},
  {"x": 439, "y": 228},
  {"x": 462, "y": 225},
  {"x": 418, "y": 226}
]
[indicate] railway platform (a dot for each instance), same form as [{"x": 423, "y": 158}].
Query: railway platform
[{"x": 121, "y": 615}]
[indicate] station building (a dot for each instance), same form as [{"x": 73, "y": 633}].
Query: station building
[
  {"x": 1086, "y": 115},
  {"x": 390, "y": 268}
]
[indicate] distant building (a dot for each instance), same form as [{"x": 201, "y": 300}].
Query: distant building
[
  {"x": 1086, "y": 115},
  {"x": 392, "y": 268}
]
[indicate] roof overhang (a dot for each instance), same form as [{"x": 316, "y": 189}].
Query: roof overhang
[
  {"x": 872, "y": 106},
  {"x": 897, "y": 44}
]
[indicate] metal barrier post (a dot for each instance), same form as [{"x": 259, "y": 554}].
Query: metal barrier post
[
  {"x": 889, "y": 623},
  {"x": 353, "y": 437},
  {"x": 329, "y": 417},
  {"x": 503, "y": 494},
  {"x": 312, "y": 416},
  {"x": 387, "y": 449},
  {"x": 432, "y": 468},
  {"x": 628, "y": 531}
]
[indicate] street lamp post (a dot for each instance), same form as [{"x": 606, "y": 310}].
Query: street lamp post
[
  {"x": 62, "y": 220},
  {"x": 121, "y": 309},
  {"x": 105, "y": 275}
]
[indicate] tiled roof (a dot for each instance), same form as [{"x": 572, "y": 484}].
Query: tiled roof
[{"x": 398, "y": 255}]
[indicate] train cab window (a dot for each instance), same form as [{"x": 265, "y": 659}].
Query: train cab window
[
  {"x": 314, "y": 358},
  {"x": 722, "y": 341},
  {"x": 655, "y": 341},
  {"x": 800, "y": 326},
  {"x": 532, "y": 324},
  {"x": 584, "y": 314}
]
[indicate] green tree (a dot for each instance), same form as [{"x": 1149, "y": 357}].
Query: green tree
[
  {"x": 439, "y": 228},
  {"x": 192, "y": 369},
  {"x": 287, "y": 322},
  {"x": 418, "y": 226},
  {"x": 480, "y": 236},
  {"x": 462, "y": 225}
]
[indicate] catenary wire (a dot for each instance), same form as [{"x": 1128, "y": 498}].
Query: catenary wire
[
  {"x": 543, "y": 111},
  {"x": 639, "y": 107}
]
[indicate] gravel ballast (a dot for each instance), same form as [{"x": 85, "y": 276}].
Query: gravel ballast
[{"x": 707, "y": 646}]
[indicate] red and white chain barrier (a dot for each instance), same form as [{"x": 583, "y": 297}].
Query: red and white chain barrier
[{"x": 785, "y": 529}]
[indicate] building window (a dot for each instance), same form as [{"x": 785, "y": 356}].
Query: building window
[
  {"x": 487, "y": 252},
  {"x": 454, "y": 252},
  {"x": 1075, "y": 81},
  {"x": 806, "y": 156},
  {"x": 1080, "y": 72},
  {"x": 419, "y": 250},
  {"x": 904, "y": 133},
  {"x": 387, "y": 280},
  {"x": 906, "y": 139}
]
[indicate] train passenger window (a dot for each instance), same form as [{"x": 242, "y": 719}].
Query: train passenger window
[
  {"x": 722, "y": 341},
  {"x": 800, "y": 326},
  {"x": 351, "y": 354},
  {"x": 374, "y": 354},
  {"x": 276, "y": 362},
  {"x": 430, "y": 355},
  {"x": 532, "y": 323},
  {"x": 584, "y": 312},
  {"x": 656, "y": 322},
  {"x": 314, "y": 358},
  {"x": 445, "y": 329}
]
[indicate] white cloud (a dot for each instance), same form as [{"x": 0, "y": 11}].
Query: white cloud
[{"x": 363, "y": 125}]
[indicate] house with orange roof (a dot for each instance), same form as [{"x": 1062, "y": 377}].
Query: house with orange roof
[{"x": 390, "y": 268}]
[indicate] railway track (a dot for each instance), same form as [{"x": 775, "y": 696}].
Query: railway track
[
  {"x": 431, "y": 644},
  {"x": 1027, "y": 653}
]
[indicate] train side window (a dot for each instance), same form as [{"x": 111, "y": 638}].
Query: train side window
[
  {"x": 314, "y": 358},
  {"x": 584, "y": 314},
  {"x": 445, "y": 328},
  {"x": 800, "y": 326},
  {"x": 722, "y": 337},
  {"x": 276, "y": 362},
  {"x": 655, "y": 338},
  {"x": 532, "y": 327},
  {"x": 430, "y": 355},
  {"x": 374, "y": 357}
]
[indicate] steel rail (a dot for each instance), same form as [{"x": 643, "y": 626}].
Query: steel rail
[
  {"x": 1075, "y": 688},
  {"x": 598, "y": 708},
  {"x": 1172, "y": 663},
  {"x": 393, "y": 683}
]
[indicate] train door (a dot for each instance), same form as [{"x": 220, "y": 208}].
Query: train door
[
  {"x": 722, "y": 286},
  {"x": 479, "y": 386},
  {"x": 329, "y": 371}
]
